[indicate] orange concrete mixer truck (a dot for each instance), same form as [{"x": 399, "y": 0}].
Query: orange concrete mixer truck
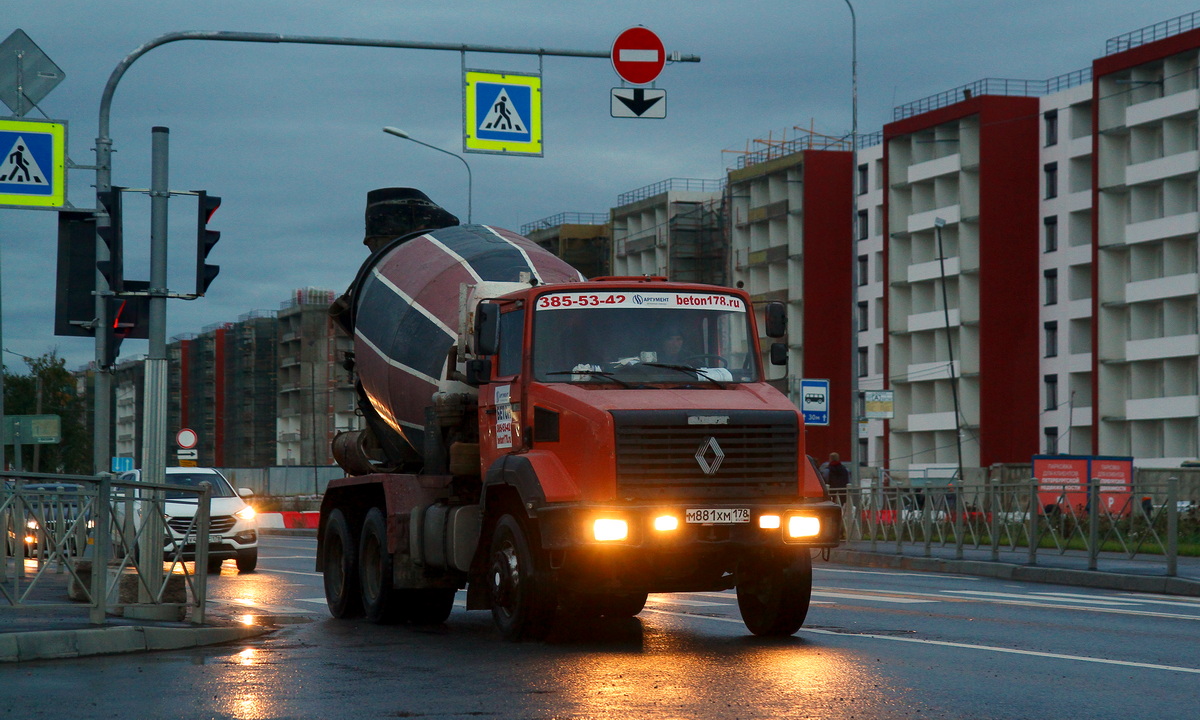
[{"x": 559, "y": 445}]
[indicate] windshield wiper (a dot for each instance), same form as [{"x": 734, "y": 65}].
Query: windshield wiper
[
  {"x": 688, "y": 369},
  {"x": 599, "y": 373}
]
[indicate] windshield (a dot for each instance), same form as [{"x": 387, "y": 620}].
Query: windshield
[
  {"x": 220, "y": 487},
  {"x": 636, "y": 337}
]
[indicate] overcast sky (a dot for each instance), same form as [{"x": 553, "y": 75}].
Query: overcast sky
[{"x": 290, "y": 135}]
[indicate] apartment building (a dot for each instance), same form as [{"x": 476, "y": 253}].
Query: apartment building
[
  {"x": 316, "y": 396},
  {"x": 584, "y": 240},
  {"x": 1146, "y": 105},
  {"x": 673, "y": 228},
  {"x": 790, "y": 216}
]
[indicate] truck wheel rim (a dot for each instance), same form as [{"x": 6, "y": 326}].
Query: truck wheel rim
[{"x": 506, "y": 578}]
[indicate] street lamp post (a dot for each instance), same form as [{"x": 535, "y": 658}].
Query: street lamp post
[
  {"x": 855, "y": 460},
  {"x": 401, "y": 134}
]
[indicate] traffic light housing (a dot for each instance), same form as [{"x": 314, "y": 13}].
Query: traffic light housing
[
  {"x": 113, "y": 269},
  {"x": 74, "y": 298},
  {"x": 128, "y": 317},
  {"x": 205, "y": 240}
]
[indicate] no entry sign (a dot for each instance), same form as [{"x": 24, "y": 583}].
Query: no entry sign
[{"x": 638, "y": 55}]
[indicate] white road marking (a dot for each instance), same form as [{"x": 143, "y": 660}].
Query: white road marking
[
  {"x": 869, "y": 597},
  {"x": 1049, "y": 597},
  {"x": 290, "y": 572},
  {"x": 964, "y": 646},
  {"x": 923, "y": 576}
]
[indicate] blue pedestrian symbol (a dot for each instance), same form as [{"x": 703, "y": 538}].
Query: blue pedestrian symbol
[{"x": 502, "y": 112}]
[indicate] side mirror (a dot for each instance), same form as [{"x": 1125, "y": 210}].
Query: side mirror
[
  {"x": 779, "y": 353},
  {"x": 776, "y": 320},
  {"x": 245, "y": 492},
  {"x": 478, "y": 372},
  {"x": 487, "y": 329}
]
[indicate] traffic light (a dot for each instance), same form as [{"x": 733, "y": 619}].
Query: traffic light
[
  {"x": 74, "y": 298},
  {"x": 129, "y": 317},
  {"x": 113, "y": 269},
  {"x": 205, "y": 240}
]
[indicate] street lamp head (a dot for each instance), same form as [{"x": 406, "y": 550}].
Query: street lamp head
[
  {"x": 397, "y": 132},
  {"x": 938, "y": 222}
]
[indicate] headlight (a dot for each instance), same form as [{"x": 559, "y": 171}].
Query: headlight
[
  {"x": 768, "y": 522},
  {"x": 246, "y": 513},
  {"x": 31, "y": 524},
  {"x": 610, "y": 529},
  {"x": 801, "y": 526},
  {"x": 666, "y": 523}
]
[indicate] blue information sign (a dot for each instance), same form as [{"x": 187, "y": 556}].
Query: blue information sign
[{"x": 814, "y": 401}]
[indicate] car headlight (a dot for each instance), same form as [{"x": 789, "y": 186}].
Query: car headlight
[
  {"x": 246, "y": 513},
  {"x": 31, "y": 524}
]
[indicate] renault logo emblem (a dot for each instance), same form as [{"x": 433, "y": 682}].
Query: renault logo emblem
[{"x": 702, "y": 454}]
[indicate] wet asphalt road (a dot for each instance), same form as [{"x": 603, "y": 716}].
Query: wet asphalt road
[{"x": 877, "y": 644}]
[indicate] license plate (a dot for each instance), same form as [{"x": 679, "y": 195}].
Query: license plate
[{"x": 717, "y": 516}]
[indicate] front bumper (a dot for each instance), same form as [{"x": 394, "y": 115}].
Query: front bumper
[{"x": 692, "y": 556}]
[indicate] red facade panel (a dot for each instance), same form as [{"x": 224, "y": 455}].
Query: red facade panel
[
  {"x": 1009, "y": 199},
  {"x": 828, "y": 256}
]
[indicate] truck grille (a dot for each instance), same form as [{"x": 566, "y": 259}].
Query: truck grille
[
  {"x": 666, "y": 454},
  {"x": 219, "y": 524}
]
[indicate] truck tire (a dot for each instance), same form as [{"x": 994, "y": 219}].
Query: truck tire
[
  {"x": 773, "y": 593},
  {"x": 340, "y": 568},
  {"x": 381, "y": 603},
  {"x": 519, "y": 588}
]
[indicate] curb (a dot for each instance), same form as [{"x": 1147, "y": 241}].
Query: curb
[
  {"x": 1158, "y": 584},
  {"x": 58, "y": 644}
]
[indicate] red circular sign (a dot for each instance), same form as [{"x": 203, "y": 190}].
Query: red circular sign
[
  {"x": 187, "y": 438},
  {"x": 638, "y": 55}
]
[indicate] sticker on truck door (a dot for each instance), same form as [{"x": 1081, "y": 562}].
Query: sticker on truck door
[{"x": 504, "y": 435}]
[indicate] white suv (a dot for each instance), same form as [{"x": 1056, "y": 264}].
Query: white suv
[{"x": 233, "y": 529}]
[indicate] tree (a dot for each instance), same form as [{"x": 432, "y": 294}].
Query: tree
[{"x": 49, "y": 377}]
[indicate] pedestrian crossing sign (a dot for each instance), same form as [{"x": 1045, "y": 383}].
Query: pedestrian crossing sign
[
  {"x": 33, "y": 160},
  {"x": 503, "y": 113}
]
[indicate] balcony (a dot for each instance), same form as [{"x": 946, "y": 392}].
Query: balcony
[
  {"x": 931, "y": 422},
  {"x": 1160, "y": 108},
  {"x": 925, "y": 220},
  {"x": 1183, "y": 406},
  {"x": 935, "y": 320},
  {"x": 1163, "y": 228},
  {"x": 1163, "y": 288},
  {"x": 1162, "y": 168},
  {"x": 1162, "y": 348},
  {"x": 934, "y": 168},
  {"x": 932, "y": 270}
]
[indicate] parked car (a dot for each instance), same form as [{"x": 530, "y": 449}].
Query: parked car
[{"x": 233, "y": 529}]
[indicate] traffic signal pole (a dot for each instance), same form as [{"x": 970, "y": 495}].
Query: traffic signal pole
[{"x": 102, "y": 437}]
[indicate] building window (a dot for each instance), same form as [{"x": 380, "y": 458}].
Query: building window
[
  {"x": 1051, "y": 329},
  {"x": 863, "y": 317},
  {"x": 862, "y": 224},
  {"x": 862, "y": 362},
  {"x": 1051, "y": 434},
  {"x": 1051, "y": 278},
  {"x": 1050, "y": 226},
  {"x": 862, "y": 180},
  {"x": 1051, "y": 118},
  {"x": 863, "y": 269},
  {"x": 1051, "y": 173},
  {"x": 1051, "y": 383}
]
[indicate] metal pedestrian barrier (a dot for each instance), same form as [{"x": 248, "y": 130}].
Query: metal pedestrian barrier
[
  {"x": 1147, "y": 520},
  {"x": 106, "y": 544}
]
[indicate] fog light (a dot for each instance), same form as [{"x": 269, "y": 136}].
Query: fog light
[
  {"x": 768, "y": 522},
  {"x": 666, "y": 523},
  {"x": 610, "y": 529},
  {"x": 801, "y": 526}
]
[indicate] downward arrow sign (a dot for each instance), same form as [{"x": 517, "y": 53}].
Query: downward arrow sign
[
  {"x": 643, "y": 103},
  {"x": 639, "y": 104}
]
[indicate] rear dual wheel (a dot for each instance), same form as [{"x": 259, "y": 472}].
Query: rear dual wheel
[
  {"x": 384, "y": 604},
  {"x": 340, "y": 568}
]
